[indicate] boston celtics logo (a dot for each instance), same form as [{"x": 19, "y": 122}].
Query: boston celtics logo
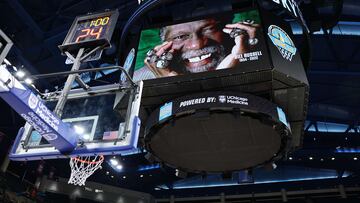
[{"x": 282, "y": 41}]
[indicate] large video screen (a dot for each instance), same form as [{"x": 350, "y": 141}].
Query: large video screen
[{"x": 213, "y": 43}]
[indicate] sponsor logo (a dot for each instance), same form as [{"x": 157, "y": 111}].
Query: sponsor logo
[
  {"x": 33, "y": 101},
  {"x": 43, "y": 112},
  {"x": 233, "y": 100},
  {"x": 282, "y": 41},
  {"x": 50, "y": 136},
  {"x": 222, "y": 99}
]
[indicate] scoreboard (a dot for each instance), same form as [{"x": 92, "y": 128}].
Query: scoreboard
[{"x": 90, "y": 31}]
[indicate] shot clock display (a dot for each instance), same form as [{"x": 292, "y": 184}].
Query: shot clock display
[{"x": 90, "y": 31}]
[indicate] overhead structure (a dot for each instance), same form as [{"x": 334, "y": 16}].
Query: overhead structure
[{"x": 208, "y": 75}]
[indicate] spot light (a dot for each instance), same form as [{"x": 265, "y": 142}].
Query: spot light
[
  {"x": 333, "y": 158},
  {"x": 86, "y": 137},
  {"x": 28, "y": 81},
  {"x": 141, "y": 175},
  {"x": 290, "y": 158},
  {"x": 119, "y": 167},
  {"x": 114, "y": 162},
  {"x": 355, "y": 158},
  {"x": 20, "y": 74},
  {"x": 124, "y": 177},
  {"x": 311, "y": 158}
]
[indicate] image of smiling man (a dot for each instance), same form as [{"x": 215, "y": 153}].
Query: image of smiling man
[{"x": 197, "y": 46}]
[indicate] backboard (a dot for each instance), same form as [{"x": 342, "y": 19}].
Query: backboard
[{"x": 100, "y": 129}]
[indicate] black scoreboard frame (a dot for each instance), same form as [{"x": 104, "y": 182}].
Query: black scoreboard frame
[{"x": 70, "y": 45}]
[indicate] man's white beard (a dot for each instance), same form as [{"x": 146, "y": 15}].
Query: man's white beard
[{"x": 219, "y": 54}]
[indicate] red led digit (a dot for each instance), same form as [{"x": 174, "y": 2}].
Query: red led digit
[
  {"x": 97, "y": 34},
  {"x": 87, "y": 31}
]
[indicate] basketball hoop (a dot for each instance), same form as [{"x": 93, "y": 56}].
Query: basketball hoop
[{"x": 83, "y": 167}]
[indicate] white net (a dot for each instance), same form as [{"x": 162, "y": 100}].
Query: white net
[{"x": 83, "y": 167}]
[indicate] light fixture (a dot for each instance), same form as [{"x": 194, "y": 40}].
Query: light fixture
[
  {"x": 86, "y": 137},
  {"x": 79, "y": 129},
  {"x": 290, "y": 158},
  {"x": 114, "y": 162},
  {"x": 107, "y": 172},
  {"x": 119, "y": 167},
  {"x": 355, "y": 158},
  {"x": 321, "y": 159},
  {"x": 20, "y": 74},
  {"x": 112, "y": 176},
  {"x": 333, "y": 158},
  {"x": 28, "y": 81},
  {"x": 311, "y": 158},
  {"x": 141, "y": 175},
  {"x": 124, "y": 177}
]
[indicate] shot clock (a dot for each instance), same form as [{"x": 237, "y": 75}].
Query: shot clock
[{"x": 90, "y": 31}]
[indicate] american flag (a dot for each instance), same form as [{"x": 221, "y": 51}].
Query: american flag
[{"x": 110, "y": 135}]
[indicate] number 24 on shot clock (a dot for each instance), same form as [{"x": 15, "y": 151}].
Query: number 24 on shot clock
[{"x": 90, "y": 31}]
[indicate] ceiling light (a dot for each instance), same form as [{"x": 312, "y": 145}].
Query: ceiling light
[
  {"x": 355, "y": 158},
  {"x": 114, "y": 162},
  {"x": 20, "y": 74},
  {"x": 28, "y": 81},
  {"x": 112, "y": 176},
  {"x": 311, "y": 158},
  {"x": 333, "y": 158},
  {"x": 119, "y": 167},
  {"x": 107, "y": 172},
  {"x": 290, "y": 158},
  {"x": 321, "y": 159},
  {"x": 86, "y": 137},
  {"x": 7, "y": 62},
  {"x": 124, "y": 177},
  {"x": 141, "y": 175}
]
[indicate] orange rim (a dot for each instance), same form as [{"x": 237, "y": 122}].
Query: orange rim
[{"x": 89, "y": 162}]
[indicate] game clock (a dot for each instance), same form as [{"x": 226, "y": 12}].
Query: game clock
[{"x": 90, "y": 31}]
